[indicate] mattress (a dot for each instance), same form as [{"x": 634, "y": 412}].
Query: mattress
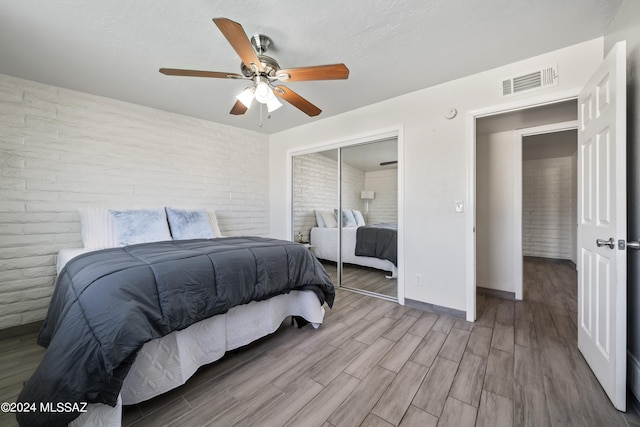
[
  {"x": 66, "y": 255},
  {"x": 168, "y": 362},
  {"x": 325, "y": 246}
]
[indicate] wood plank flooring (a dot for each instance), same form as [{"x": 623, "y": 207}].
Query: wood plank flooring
[
  {"x": 363, "y": 278},
  {"x": 376, "y": 363}
]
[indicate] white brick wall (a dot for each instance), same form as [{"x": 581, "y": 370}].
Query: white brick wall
[
  {"x": 60, "y": 150},
  {"x": 384, "y": 207},
  {"x": 548, "y": 201},
  {"x": 315, "y": 186},
  {"x": 352, "y": 185}
]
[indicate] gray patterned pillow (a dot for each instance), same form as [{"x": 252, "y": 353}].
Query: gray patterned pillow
[
  {"x": 189, "y": 224},
  {"x": 140, "y": 226},
  {"x": 358, "y": 217},
  {"x": 347, "y": 218}
]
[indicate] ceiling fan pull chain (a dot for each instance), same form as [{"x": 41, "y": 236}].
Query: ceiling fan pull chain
[{"x": 261, "y": 122}]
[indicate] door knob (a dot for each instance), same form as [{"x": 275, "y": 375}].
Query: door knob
[
  {"x": 633, "y": 245},
  {"x": 610, "y": 243}
]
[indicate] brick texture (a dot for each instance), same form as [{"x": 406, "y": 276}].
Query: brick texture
[
  {"x": 61, "y": 150},
  {"x": 547, "y": 208},
  {"x": 384, "y": 207},
  {"x": 315, "y": 186}
]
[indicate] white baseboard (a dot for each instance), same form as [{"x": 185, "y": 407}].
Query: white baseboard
[{"x": 633, "y": 375}]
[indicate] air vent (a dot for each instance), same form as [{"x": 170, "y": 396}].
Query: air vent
[{"x": 527, "y": 82}]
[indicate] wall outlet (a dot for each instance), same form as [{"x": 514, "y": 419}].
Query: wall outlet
[
  {"x": 418, "y": 279},
  {"x": 458, "y": 206}
]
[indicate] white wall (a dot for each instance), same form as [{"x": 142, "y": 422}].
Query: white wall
[
  {"x": 315, "y": 186},
  {"x": 352, "y": 185},
  {"x": 546, "y": 213},
  {"x": 496, "y": 216},
  {"x": 436, "y": 167},
  {"x": 549, "y": 190},
  {"x": 547, "y": 205},
  {"x": 60, "y": 150},
  {"x": 384, "y": 207}
]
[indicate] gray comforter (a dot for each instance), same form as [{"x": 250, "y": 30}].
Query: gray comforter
[
  {"x": 108, "y": 303},
  {"x": 379, "y": 241}
]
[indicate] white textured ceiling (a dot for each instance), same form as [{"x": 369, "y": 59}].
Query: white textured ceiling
[
  {"x": 367, "y": 157},
  {"x": 114, "y": 48}
]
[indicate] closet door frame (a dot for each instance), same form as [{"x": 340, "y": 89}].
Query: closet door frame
[{"x": 338, "y": 143}]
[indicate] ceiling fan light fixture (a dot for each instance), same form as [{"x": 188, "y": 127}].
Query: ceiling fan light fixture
[
  {"x": 246, "y": 96},
  {"x": 263, "y": 92},
  {"x": 273, "y": 104}
]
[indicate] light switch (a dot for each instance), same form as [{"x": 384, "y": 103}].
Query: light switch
[{"x": 459, "y": 206}]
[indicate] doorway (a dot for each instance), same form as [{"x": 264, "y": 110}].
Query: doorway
[
  {"x": 549, "y": 195},
  {"x": 602, "y": 200},
  {"x": 503, "y": 234},
  {"x": 550, "y": 211}
]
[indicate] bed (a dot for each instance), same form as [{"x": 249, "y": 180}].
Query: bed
[
  {"x": 324, "y": 241},
  {"x": 154, "y": 334}
]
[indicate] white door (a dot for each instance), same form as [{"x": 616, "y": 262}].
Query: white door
[{"x": 602, "y": 223}]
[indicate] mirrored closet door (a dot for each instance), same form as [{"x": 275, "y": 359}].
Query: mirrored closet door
[
  {"x": 369, "y": 195},
  {"x": 345, "y": 207},
  {"x": 316, "y": 193}
]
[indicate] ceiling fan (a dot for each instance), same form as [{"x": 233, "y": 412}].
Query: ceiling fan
[{"x": 264, "y": 71}]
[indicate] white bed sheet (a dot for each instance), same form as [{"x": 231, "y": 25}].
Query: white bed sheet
[
  {"x": 66, "y": 255},
  {"x": 168, "y": 362},
  {"x": 324, "y": 242}
]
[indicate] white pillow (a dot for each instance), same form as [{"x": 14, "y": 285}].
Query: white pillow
[
  {"x": 189, "y": 224},
  {"x": 359, "y": 218},
  {"x": 347, "y": 218},
  {"x": 319, "y": 219},
  {"x": 98, "y": 230},
  {"x": 140, "y": 226},
  {"x": 329, "y": 219},
  {"x": 213, "y": 221}
]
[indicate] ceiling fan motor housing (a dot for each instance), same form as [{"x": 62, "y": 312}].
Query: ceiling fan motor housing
[
  {"x": 261, "y": 44},
  {"x": 269, "y": 64}
]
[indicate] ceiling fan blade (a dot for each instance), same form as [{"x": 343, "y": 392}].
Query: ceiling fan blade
[
  {"x": 238, "y": 109},
  {"x": 198, "y": 73},
  {"x": 238, "y": 39},
  {"x": 318, "y": 72},
  {"x": 297, "y": 101}
]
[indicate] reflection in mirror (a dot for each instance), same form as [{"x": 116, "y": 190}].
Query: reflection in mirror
[
  {"x": 370, "y": 217},
  {"x": 315, "y": 197}
]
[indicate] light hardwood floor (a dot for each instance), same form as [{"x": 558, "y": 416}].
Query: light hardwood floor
[
  {"x": 364, "y": 278},
  {"x": 375, "y": 363}
]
